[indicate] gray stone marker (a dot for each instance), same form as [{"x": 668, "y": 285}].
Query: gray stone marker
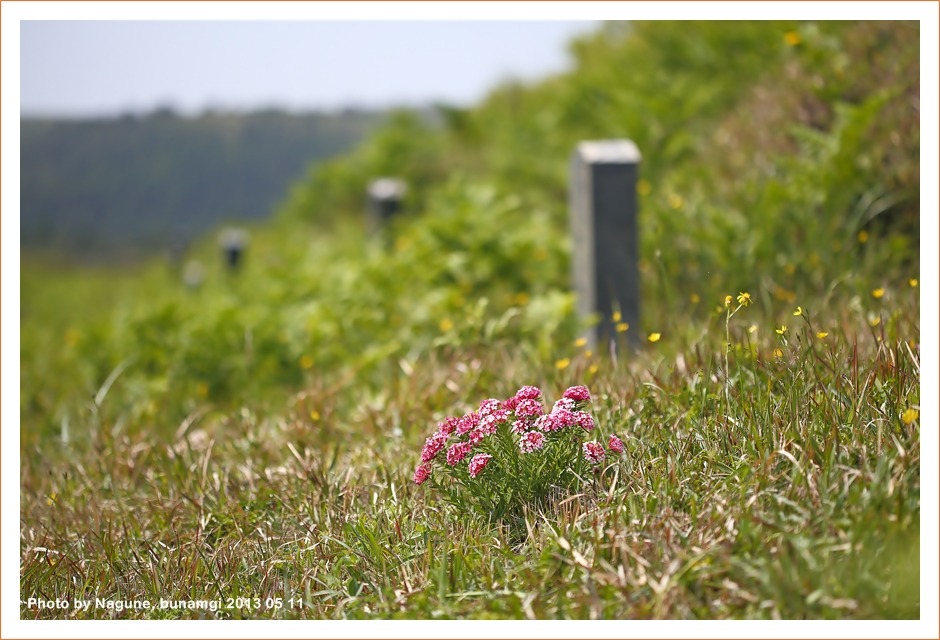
[
  {"x": 385, "y": 196},
  {"x": 603, "y": 225}
]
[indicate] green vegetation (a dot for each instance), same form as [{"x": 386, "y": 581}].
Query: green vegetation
[
  {"x": 122, "y": 188},
  {"x": 256, "y": 437}
]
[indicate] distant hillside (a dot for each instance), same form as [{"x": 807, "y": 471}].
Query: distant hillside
[{"x": 115, "y": 188}]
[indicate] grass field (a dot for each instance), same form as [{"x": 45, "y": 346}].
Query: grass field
[
  {"x": 249, "y": 446},
  {"x": 786, "y": 486}
]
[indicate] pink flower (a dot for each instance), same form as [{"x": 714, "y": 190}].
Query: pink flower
[
  {"x": 433, "y": 446},
  {"x": 478, "y": 463},
  {"x": 563, "y": 403},
  {"x": 467, "y": 422},
  {"x": 422, "y": 473},
  {"x": 498, "y": 416},
  {"x": 578, "y": 393},
  {"x": 448, "y": 426},
  {"x": 487, "y": 426},
  {"x": 615, "y": 444},
  {"x": 547, "y": 423},
  {"x": 529, "y": 393},
  {"x": 593, "y": 452},
  {"x": 521, "y": 426},
  {"x": 564, "y": 418},
  {"x": 489, "y": 406},
  {"x": 458, "y": 452},
  {"x": 528, "y": 408},
  {"x": 584, "y": 419},
  {"x": 532, "y": 441}
]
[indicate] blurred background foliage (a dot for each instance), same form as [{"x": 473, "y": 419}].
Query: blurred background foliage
[
  {"x": 118, "y": 189},
  {"x": 780, "y": 158}
]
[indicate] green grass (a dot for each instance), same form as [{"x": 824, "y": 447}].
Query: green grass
[
  {"x": 256, "y": 437},
  {"x": 796, "y": 495}
]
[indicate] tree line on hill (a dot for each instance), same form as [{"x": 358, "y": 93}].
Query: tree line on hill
[{"x": 129, "y": 186}]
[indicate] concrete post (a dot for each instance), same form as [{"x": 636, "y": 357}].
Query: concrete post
[
  {"x": 603, "y": 225},
  {"x": 385, "y": 197}
]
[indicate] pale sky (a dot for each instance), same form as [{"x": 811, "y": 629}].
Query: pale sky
[{"x": 82, "y": 68}]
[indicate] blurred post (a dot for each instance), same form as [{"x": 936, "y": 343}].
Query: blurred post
[
  {"x": 233, "y": 243},
  {"x": 385, "y": 197},
  {"x": 603, "y": 224},
  {"x": 193, "y": 274}
]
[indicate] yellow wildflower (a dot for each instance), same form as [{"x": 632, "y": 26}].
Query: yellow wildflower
[
  {"x": 654, "y": 337},
  {"x": 615, "y": 316},
  {"x": 874, "y": 320},
  {"x": 878, "y": 293},
  {"x": 622, "y": 326},
  {"x": 445, "y": 325},
  {"x": 910, "y": 416},
  {"x": 822, "y": 334},
  {"x": 752, "y": 328},
  {"x": 675, "y": 201},
  {"x": 563, "y": 363},
  {"x": 521, "y": 299},
  {"x": 728, "y": 301},
  {"x": 863, "y": 236},
  {"x": 782, "y": 330},
  {"x": 744, "y": 298},
  {"x": 588, "y": 353},
  {"x": 314, "y": 415},
  {"x": 52, "y": 497},
  {"x": 912, "y": 282},
  {"x": 695, "y": 298},
  {"x": 798, "y": 312},
  {"x": 792, "y": 38},
  {"x": 306, "y": 361},
  {"x": 643, "y": 187},
  {"x": 778, "y": 353},
  {"x": 592, "y": 369},
  {"x": 580, "y": 342}
]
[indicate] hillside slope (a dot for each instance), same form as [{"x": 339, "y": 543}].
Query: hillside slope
[{"x": 258, "y": 434}]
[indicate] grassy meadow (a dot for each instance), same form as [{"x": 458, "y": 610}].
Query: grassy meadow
[{"x": 251, "y": 441}]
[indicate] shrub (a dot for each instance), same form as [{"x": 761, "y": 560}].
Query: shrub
[{"x": 509, "y": 456}]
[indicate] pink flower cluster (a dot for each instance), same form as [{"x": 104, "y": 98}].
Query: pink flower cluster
[
  {"x": 523, "y": 414},
  {"x": 478, "y": 463},
  {"x": 594, "y": 452},
  {"x": 615, "y": 444},
  {"x": 577, "y": 393},
  {"x": 532, "y": 441},
  {"x": 564, "y": 414},
  {"x": 422, "y": 473}
]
